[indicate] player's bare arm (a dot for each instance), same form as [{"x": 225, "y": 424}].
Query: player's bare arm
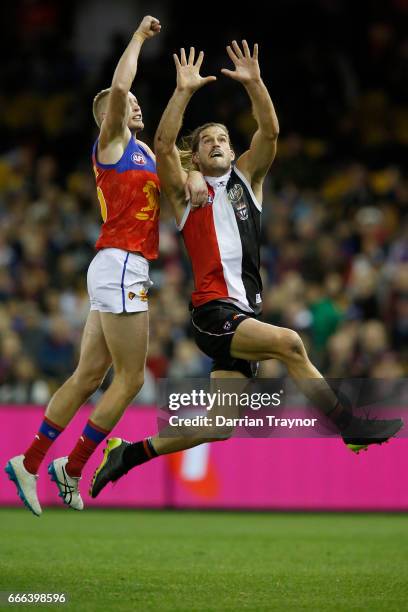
[
  {"x": 196, "y": 190},
  {"x": 115, "y": 133},
  {"x": 171, "y": 173},
  {"x": 255, "y": 162}
]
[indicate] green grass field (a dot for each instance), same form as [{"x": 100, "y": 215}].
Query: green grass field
[{"x": 187, "y": 561}]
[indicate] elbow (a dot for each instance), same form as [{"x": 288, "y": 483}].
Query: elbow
[
  {"x": 161, "y": 145},
  {"x": 119, "y": 89},
  {"x": 270, "y": 137},
  {"x": 269, "y": 131},
  {"x": 273, "y": 133}
]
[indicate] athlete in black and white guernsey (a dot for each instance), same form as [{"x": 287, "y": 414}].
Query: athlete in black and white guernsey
[
  {"x": 228, "y": 285},
  {"x": 222, "y": 240},
  {"x": 232, "y": 222}
]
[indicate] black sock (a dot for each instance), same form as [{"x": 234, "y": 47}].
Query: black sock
[{"x": 138, "y": 453}]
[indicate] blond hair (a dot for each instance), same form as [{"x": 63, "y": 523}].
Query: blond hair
[
  {"x": 96, "y": 105},
  {"x": 189, "y": 145}
]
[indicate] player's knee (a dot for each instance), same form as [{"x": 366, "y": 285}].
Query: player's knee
[
  {"x": 291, "y": 346},
  {"x": 131, "y": 383},
  {"x": 88, "y": 381}
]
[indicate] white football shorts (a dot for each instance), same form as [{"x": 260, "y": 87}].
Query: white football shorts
[{"x": 118, "y": 281}]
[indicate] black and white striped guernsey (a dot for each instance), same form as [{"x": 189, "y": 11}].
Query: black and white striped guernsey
[{"x": 223, "y": 241}]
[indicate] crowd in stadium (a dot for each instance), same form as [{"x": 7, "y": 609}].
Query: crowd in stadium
[{"x": 335, "y": 227}]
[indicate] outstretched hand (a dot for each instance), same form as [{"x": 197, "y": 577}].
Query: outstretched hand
[
  {"x": 246, "y": 65},
  {"x": 149, "y": 27},
  {"x": 188, "y": 72}
]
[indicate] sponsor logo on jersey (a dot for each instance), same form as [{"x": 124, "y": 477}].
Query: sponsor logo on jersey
[
  {"x": 131, "y": 295},
  {"x": 227, "y": 325},
  {"x": 258, "y": 298},
  {"x": 138, "y": 158}
]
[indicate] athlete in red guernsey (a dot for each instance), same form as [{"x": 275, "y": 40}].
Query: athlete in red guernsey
[
  {"x": 128, "y": 193},
  {"x": 223, "y": 240},
  {"x": 116, "y": 330}
]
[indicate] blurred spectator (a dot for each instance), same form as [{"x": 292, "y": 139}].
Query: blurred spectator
[
  {"x": 187, "y": 361},
  {"x": 25, "y": 385},
  {"x": 57, "y": 351}
]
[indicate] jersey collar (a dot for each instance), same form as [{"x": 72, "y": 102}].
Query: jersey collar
[{"x": 218, "y": 181}]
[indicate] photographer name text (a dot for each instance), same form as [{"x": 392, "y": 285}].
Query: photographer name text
[{"x": 222, "y": 421}]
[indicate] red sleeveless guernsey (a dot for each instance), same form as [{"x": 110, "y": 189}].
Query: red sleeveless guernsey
[{"x": 129, "y": 193}]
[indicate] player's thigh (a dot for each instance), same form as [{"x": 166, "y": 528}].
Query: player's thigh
[
  {"x": 126, "y": 336},
  {"x": 94, "y": 358},
  {"x": 256, "y": 341}
]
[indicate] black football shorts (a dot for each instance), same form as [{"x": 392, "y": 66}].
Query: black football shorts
[{"x": 214, "y": 325}]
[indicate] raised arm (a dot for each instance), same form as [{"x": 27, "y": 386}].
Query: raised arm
[
  {"x": 172, "y": 176},
  {"x": 115, "y": 133},
  {"x": 255, "y": 162}
]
